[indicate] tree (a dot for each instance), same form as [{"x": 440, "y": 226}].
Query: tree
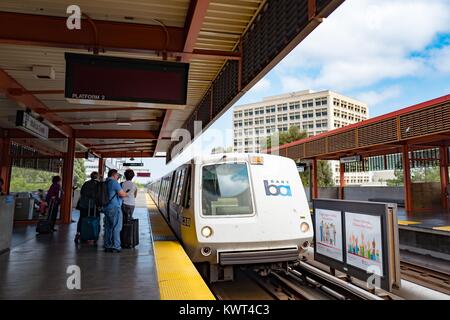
[
  {"x": 324, "y": 171},
  {"x": 79, "y": 173},
  {"x": 217, "y": 150},
  {"x": 292, "y": 134}
]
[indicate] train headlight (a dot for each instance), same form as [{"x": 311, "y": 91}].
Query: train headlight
[
  {"x": 207, "y": 232},
  {"x": 304, "y": 227}
]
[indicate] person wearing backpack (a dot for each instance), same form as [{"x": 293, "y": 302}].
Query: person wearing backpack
[
  {"x": 113, "y": 212},
  {"x": 88, "y": 202}
]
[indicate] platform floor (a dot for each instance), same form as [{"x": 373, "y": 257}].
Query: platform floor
[
  {"x": 431, "y": 221},
  {"x": 36, "y": 266}
]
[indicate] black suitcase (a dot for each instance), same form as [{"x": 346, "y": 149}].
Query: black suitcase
[
  {"x": 129, "y": 236},
  {"x": 45, "y": 226}
]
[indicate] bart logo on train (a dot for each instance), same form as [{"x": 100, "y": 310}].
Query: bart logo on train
[{"x": 277, "y": 188}]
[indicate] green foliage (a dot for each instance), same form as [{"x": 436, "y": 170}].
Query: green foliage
[
  {"x": 23, "y": 179},
  {"x": 292, "y": 134},
  {"x": 418, "y": 175},
  {"x": 79, "y": 173},
  {"x": 324, "y": 170},
  {"x": 324, "y": 174},
  {"x": 217, "y": 150}
]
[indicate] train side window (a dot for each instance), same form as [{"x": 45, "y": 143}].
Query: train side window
[
  {"x": 180, "y": 187},
  {"x": 187, "y": 191},
  {"x": 175, "y": 186}
]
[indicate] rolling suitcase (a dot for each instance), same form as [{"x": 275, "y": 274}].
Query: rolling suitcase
[
  {"x": 90, "y": 226},
  {"x": 45, "y": 225},
  {"x": 129, "y": 236}
]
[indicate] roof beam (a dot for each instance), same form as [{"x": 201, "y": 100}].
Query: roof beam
[
  {"x": 88, "y": 122},
  {"x": 194, "y": 21},
  {"x": 41, "y": 30},
  {"x": 50, "y": 31},
  {"x": 125, "y": 154},
  {"x": 20, "y": 134},
  {"x": 122, "y": 147},
  {"x": 28, "y": 100},
  {"x": 115, "y": 134},
  {"x": 116, "y": 144},
  {"x": 74, "y": 110}
]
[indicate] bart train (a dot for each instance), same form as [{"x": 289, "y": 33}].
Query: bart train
[{"x": 236, "y": 209}]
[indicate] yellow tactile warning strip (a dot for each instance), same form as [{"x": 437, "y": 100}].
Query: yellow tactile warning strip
[
  {"x": 178, "y": 279},
  {"x": 443, "y": 228},
  {"x": 407, "y": 223}
]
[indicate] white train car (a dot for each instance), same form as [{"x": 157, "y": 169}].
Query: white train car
[{"x": 236, "y": 209}]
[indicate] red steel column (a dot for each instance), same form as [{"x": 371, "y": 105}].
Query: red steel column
[
  {"x": 5, "y": 163},
  {"x": 407, "y": 178},
  {"x": 443, "y": 152},
  {"x": 67, "y": 182},
  {"x": 101, "y": 167},
  {"x": 314, "y": 182},
  {"x": 341, "y": 180}
]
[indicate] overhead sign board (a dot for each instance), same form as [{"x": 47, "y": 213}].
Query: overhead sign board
[
  {"x": 350, "y": 159},
  {"x": 26, "y": 122},
  {"x": 143, "y": 174},
  {"x": 133, "y": 164},
  {"x": 301, "y": 167},
  {"x": 94, "y": 79}
]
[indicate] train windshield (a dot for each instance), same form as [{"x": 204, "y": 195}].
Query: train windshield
[{"x": 226, "y": 190}]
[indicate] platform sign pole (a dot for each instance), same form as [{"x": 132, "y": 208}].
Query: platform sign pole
[
  {"x": 443, "y": 153},
  {"x": 5, "y": 163},
  {"x": 407, "y": 178},
  {"x": 67, "y": 182}
]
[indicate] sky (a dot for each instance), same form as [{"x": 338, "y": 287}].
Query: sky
[{"x": 388, "y": 53}]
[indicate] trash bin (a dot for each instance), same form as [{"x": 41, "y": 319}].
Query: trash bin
[
  {"x": 6, "y": 221},
  {"x": 24, "y": 206}
]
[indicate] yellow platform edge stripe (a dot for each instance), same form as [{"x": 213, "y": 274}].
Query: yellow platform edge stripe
[
  {"x": 407, "y": 223},
  {"x": 178, "y": 279},
  {"x": 442, "y": 228}
]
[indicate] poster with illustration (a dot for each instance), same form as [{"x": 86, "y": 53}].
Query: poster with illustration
[
  {"x": 329, "y": 233},
  {"x": 364, "y": 246}
]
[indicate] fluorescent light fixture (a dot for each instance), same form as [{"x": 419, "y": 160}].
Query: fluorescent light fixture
[
  {"x": 160, "y": 154},
  {"x": 129, "y": 141},
  {"x": 124, "y": 124}
]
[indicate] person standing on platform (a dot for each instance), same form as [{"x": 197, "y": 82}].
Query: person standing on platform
[
  {"x": 87, "y": 203},
  {"x": 129, "y": 202},
  {"x": 53, "y": 199},
  {"x": 113, "y": 212}
]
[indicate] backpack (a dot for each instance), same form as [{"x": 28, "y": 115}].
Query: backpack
[{"x": 102, "y": 194}]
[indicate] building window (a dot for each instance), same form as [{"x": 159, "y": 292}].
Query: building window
[
  {"x": 321, "y": 101},
  {"x": 259, "y": 111},
  {"x": 308, "y": 103},
  {"x": 270, "y": 129},
  {"x": 283, "y": 128},
  {"x": 238, "y": 114},
  {"x": 307, "y": 114},
  {"x": 270, "y": 119},
  {"x": 321, "y": 112},
  {"x": 248, "y": 113},
  {"x": 282, "y": 117},
  {"x": 248, "y": 123},
  {"x": 282, "y": 107},
  {"x": 294, "y": 105},
  {"x": 238, "y": 124},
  {"x": 294, "y": 116},
  {"x": 270, "y": 109},
  {"x": 259, "y": 120}
]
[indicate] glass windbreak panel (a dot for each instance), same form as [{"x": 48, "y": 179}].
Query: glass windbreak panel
[{"x": 226, "y": 190}]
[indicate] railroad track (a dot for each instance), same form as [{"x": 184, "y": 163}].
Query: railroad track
[
  {"x": 306, "y": 282},
  {"x": 427, "y": 277}
]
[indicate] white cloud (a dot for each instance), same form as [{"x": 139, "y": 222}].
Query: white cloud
[
  {"x": 373, "y": 98},
  {"x": 366, "y": 41},
  {"x": 440, "y": 59},
  {"x": 263, "y": 85}
]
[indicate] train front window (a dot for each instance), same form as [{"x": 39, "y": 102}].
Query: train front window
[{"x": 226, "y": 190}]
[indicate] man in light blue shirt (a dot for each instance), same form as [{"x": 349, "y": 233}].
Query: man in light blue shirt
[{"x": 113, "y": 212}]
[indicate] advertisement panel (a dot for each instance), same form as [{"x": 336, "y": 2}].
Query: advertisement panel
[
  {"x": 329, "y": 233},
  {"x": 364, "y": 244}
]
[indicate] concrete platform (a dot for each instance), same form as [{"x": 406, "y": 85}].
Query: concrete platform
[
  {"x": 433, "y": 221},
  {"x": 36, "y": 266}
]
